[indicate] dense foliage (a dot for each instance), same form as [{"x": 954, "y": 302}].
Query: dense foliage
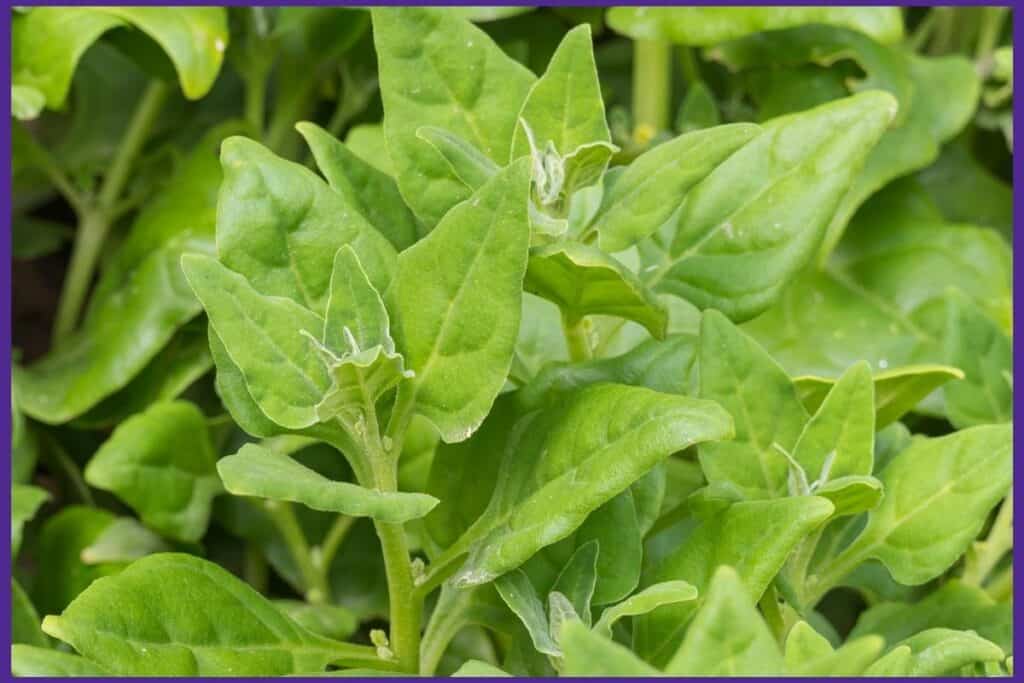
[{"x": 496, "y": 340}]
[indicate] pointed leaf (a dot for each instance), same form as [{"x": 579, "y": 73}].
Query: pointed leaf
[
  {"x": 518, "y": 593},
  {"x": 456, "y": 303},
  {"x": 587, "y": 653},
  {"x": 467, "y": 163},
  {"x": 936, "y": 652},
  {"x": 577, "y": 581},
  {"x": 976, "y": 345},
  {"x": 656, "y": 183},
  {"x": 25, "y": 502},
  {"x": 851, "y": 494},
  {"x": 647, "y": 600},
  {"x": 256, "y": 471}
]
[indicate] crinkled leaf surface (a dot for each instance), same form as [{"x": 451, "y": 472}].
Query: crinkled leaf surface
[
  {"x": 456, "y": 303},
  {"x": 439, "y": 70}
]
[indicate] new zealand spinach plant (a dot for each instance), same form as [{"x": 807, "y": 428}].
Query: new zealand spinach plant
[{"x": 488, "y": 341}]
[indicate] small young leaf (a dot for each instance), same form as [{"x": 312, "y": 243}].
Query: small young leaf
[
  {"x": 256, "y": 471},
  {"x": 647, "y": 600},
  {"x": 161, "y": 463},
  {"x": 583, "y": 280},
  {"x": 521, "y": 597},
  {"x": 577, "y": 581},
  {"x": 469, "y": 164}
]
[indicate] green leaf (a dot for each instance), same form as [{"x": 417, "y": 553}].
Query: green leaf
[
  {"x": 897, "y": 391},
  {"x": 331, "y": 621},
  {"x": 564, "y": 106},
  {"x": 35, "y": 237},
  {"x": 967, "y": 191},
  {"x": 955, "y": 605},
  {"x": 977, "y": 345},
  {"x": 757, "y": 219},
  {"x": 26, "y": 104},
  {"x": 728, "y": 636},
  {"x": 521, "y": 597},
  {"x": 566, "y": 453},
  {"x": 808, "y": 653},
  {"x": 583, "y": 280},
  {"x": 577, "y": 581},
  {"x": 370, "y": 191},
  {"x": 161, "y": 462},
  {"x": 587, "y": 653},
  {"x": 366, "y": 140},
  {"x": 279, "y": 225},
  {"x": 851, "y": 494},
  {"x": 25, "y": 502},
  {"x": 935, "y": 652},
  {"x": 48, "y": 42},
  {"x": 654, "y": 186},
  {"x": 698, "y": 110},
  {"x": 141, "y": 299},
  {"x": 474, "y": 668},
  {"x": 124, "y": 540},
  {"x": 257, "y": 471},
  {"x": 938, "y": 495},
  {"x": 439, "y": 70},
  {"x": 711, "y": 25},
  {"x": 133, "y": 624},
  {"x": 753, "y": 537},
  {"x": 467, "y": 163},
  {"x": 664, "y": 366},
  {"x": 25, "y": 620},
  {"x": 743, "y": 379},
  {"x": 30, "y": 660},
  {"x": 61, "y": 541},
  {"x": 839, "y": 439},
  {"x": 644, "y": 601},
  {"x": 262, "y": 337},
  {"x": 456, "y": 303}
]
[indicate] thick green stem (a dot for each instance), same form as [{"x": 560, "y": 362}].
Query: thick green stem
[
  {"x": 576, "y": 338},
  {"x": 445, "y": 621},
  {"x": 652, "y": 86},
  {"x": 96, "y": 220},
  {"x": 283, "y": 516},
  {"x": 992, "y": 19}
]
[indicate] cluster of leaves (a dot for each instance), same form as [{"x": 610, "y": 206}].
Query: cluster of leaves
[{"x": 523, "y": 371}]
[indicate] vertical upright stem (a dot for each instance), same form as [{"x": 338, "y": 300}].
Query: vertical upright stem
[
  {"x": 652, "y": 85},
  {"x": 576, "y": 338}
]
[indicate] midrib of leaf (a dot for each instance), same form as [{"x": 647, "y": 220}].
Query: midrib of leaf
[
  {"x": 762, "y": 449},
  {"x": 879, "y": 304}
]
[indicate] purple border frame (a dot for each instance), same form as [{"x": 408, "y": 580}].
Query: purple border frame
[{"x": 5, "y": 238}]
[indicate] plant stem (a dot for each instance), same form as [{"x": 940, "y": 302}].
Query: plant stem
[
  {"x": 333, "y": 540},
  {"x": 445, "y": 621},
  {"x": 652, "y": 84},
  {"x": 986, "y": 554},
  {"x": 256, "y": 571},
  {"x": 988, "y": 33},
  {"x": 772, "y": 615},
  {"x": 576, "y": 339},
  {"x": 255, "y": 99},
  {"x": 46, "y": 163},
  {"x": 97, "y": 219},
  {"x": 283, "y": 516}
]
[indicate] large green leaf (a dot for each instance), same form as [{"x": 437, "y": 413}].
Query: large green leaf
[
  {"x": 939, "y": 493},
  {"x": 262, "y": 336},
  {"x": 48, "y": 42},
  {"x": 162, "y": 463},
  {"x": 257, "y": 471},
  {"x": 737, "y": 373},
  {"x": 583, "y": 280},
  {"x": 757, "y": 219},
  {"x": 280, "y": 225},
  {"x": 711, "y": 25},
  {"x": 141, "y": 299},
  {"x": 439, "y": 70},
  {"x": 728, "y": 636},
  {"x": 754, "y": 538},
  {"x": 133, "y": 623},
  {"x": 565, "y": 461},
  {"x": 655, "y": 184},
  {"x": 456, "y": 303}
]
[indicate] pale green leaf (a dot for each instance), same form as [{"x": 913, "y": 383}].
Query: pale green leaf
[
  {"x": 644, "y": 601},
  {"x": 34, "y": 661},
  {"x": 587, "y": 653}
]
